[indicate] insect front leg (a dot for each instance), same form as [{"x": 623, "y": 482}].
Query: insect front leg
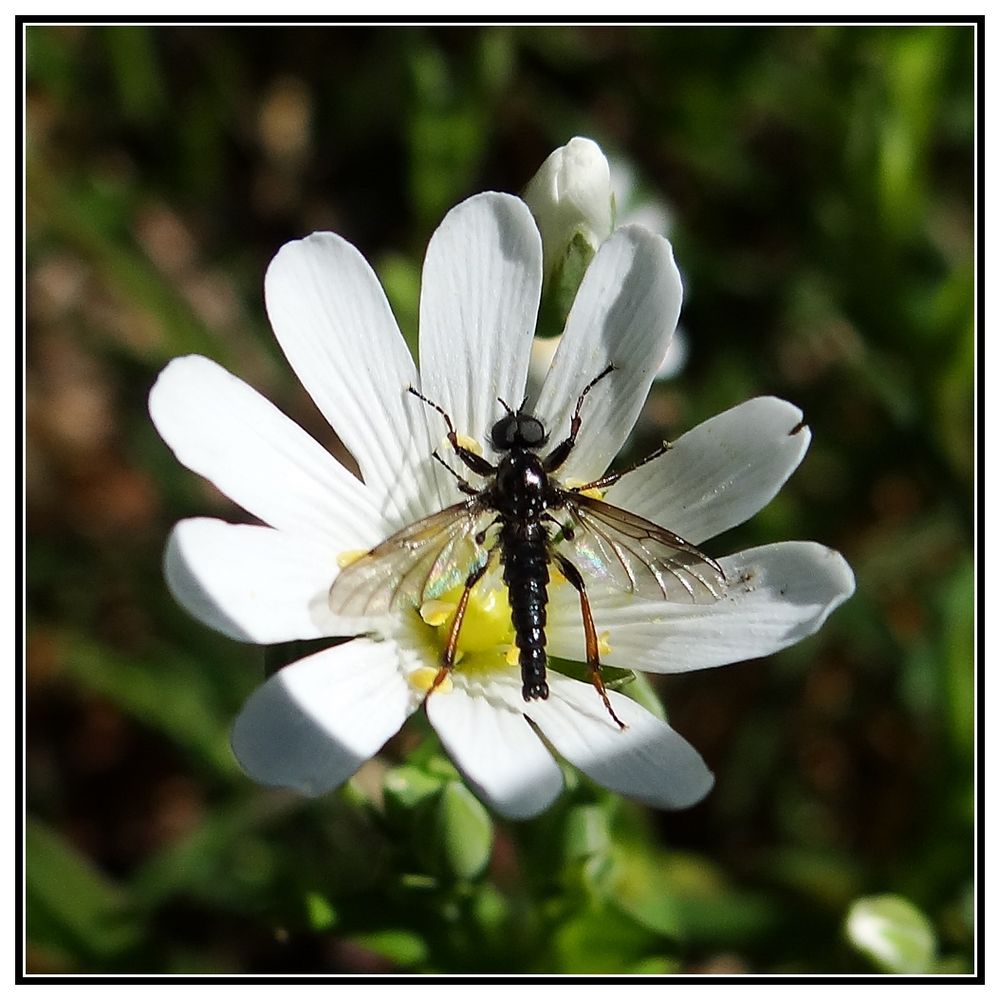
[
  {"x": 464, "y": 485},
  {"x": 451, "y": 646},
  {"x": 560, "y": 453},
  {"x": 475, "y": 462},
  {"x": 572, "y": 574}
]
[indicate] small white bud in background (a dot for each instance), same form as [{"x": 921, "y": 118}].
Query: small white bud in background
[{"x": 571, "y": 199}]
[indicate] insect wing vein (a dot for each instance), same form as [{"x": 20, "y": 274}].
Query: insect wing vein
[
  {"x": 628, "y": 553},
  {"x": 423, "y": 560}
]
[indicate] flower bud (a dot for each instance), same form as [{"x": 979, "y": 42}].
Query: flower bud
[{"x": 572, "y": 202}]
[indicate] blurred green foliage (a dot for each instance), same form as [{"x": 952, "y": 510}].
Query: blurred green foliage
[{"x": 819, "y": 180}]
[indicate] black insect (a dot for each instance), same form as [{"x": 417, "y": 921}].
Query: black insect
[{"x": 539, "y": 522}]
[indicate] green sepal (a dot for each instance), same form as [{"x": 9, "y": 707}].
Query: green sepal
[
  {"x": 615, "y": 678},
  {"x": 454, "y": 833},
  {"x": 563, "y": 284}
]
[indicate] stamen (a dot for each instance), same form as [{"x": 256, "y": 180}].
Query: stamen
[
  {"x": 603, "y": 645},
  {"x": 486, "y": 632},
  {"x": 350, "y": 556},
  {"x": 422, "y": 679},
  {"x": 470, "y": 444},
  {"x": 436, "y": 613}
]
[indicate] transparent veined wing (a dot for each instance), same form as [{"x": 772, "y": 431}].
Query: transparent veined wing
[
  {"x": 418, "y": 563},
  {"x": 624, "y": 552}
]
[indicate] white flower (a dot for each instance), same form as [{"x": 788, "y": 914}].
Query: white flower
[
  {"x": 569, "y": 196},
  {"x": 312, "y": 724}
]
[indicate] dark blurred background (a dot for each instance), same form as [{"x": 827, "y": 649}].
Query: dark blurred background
[{"x": 818, "y": 182}]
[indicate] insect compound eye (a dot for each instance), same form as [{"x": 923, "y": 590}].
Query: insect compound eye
[
  {"x": 531, "y": 431},
  {"x": 504, "y": 433},
  {"x": 516, "y": 430}
]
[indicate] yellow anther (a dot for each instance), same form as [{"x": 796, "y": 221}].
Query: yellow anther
[
  {"x": 422, "y": 679},
  {"x": 350, "y": 556},
  {"x": 603, "y": 645},
  {"x": 436, "y": 613},
  {"x": 512, "y": 655},
  {"x": 485, "y": 633},
  {"x": 470, "y": 444}
]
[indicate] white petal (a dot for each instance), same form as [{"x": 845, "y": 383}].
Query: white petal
[
  {"x": 334, "y": 324},
  {"x": 316, "y": 721},
  {"x": 484, "y": 731},
  {"x": 624, "y": 313},
  {"x": 721, "y": 472},
  {"x": 227, "y": 432},
  {"x": 777, "y": 595},
  {"x": 478, "y": 304},
  {"x": 648, "y": 761},
  {"x": 251, "y": 583}
]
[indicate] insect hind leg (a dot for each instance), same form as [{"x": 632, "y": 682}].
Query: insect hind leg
[
  {"x": 612, "y": 477},
  {"x": 572, "y": 574},
  {"x": 451, "y": 646}
]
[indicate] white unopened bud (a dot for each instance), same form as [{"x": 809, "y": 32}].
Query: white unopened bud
[{"x": 571, "y": 199}]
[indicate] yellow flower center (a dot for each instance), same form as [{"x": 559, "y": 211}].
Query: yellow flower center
[
  {"x": 486, "y": 640},
  {"x": 486, "y": 635}
]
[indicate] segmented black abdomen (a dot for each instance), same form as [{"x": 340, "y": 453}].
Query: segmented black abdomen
[{"x": 526, "y": 573}]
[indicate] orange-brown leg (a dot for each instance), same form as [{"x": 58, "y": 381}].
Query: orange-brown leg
[
  {"x": 451, "y": 646},
  {"x": 589, "y": 634}
]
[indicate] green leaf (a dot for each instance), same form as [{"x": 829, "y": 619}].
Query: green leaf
[
  {"x": 73, "y": 908},
  {"x": 402, "y": 947},
  {"x": 586, "y": 832},
  {"x": 319, "y": 912},
  {"x": 686, "y": 898},
  {"x": 466, "y": 831},
  {"x": 601, "y": 941},
  {"x": 892, "y": 933},
  {"x": 451, "y": 831},
  {"x": 222, "y": 859},
  {"x": 958, "y": 626},
  {"x": 174, "y": 696},
  {"x": 406, "y": 788}
]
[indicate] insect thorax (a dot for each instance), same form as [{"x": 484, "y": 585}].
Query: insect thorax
[{"x": 521, "y": 487}]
